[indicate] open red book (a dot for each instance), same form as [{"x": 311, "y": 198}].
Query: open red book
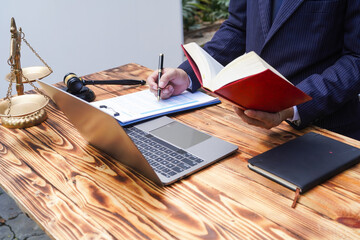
[{"x": 248, "y": 81}]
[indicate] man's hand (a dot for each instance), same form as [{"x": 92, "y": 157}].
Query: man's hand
[
  {"x": 173, "y": 82},
  {"x": 264, "y": 119}
]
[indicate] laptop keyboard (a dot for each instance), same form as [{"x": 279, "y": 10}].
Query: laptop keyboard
[{"x": 164, "y": 158}]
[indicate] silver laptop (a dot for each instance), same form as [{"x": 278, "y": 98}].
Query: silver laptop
[{"x": 163, "y": 149}]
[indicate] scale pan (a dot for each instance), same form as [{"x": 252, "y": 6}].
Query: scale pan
[
  {"x": 32, "y": 73},
  {"x": 23, "y": 105}
]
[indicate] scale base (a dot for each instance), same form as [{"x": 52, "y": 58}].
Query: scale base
[{"x": 24, "y": 121}]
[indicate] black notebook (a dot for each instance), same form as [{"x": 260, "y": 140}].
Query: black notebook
[{"x": 305, "y": 162}]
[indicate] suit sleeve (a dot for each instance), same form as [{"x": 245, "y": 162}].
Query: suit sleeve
[
  {"x": 339, "y": 84},
  {"x": 228, "y": 42}
]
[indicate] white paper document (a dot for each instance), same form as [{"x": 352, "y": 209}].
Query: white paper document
[{"x": 142, "y": 105}]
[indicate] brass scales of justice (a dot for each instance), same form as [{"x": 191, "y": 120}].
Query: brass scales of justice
[{"x": 23, "y": 110}]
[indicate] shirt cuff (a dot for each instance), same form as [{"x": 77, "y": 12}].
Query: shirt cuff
[
  {"x": 296, "y": 118},
  {"x": 190, "y": 84}
]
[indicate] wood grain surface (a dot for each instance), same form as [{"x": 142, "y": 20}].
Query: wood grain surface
[{"x": 74, "y": 191}]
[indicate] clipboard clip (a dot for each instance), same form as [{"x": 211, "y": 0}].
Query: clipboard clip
[{"x": 115, "y": 113}]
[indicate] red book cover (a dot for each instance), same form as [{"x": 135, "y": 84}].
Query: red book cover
[
  {"x": 192, "y": 64},
  {"x": 265, "y": 91}
]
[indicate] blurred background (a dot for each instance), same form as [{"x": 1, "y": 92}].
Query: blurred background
[{"x": 87, "y": 36}]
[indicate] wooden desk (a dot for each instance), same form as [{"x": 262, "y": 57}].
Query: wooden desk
[{"x": 74, "y": 191}]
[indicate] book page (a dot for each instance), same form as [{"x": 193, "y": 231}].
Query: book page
[
  {"x": 143, "y": 104},
  {"x": 243, "y": 66},
  {"x": 207, "y": 65},
  {"x": 273, "y": 69},
  {"x": 273, "y": 177}
]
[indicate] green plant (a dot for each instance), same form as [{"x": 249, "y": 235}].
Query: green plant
[
  {"x": 219, "y": 10},
  {"x": 197, "y": 11},
  {"x": 189, "y": 11}
]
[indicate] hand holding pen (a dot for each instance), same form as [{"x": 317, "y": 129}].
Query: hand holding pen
[{"x": 170, "y": 82}]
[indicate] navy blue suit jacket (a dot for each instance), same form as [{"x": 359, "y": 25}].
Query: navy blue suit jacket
[{"x": 314, "y": 44}]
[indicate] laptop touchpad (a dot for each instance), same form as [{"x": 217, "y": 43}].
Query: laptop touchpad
[{"x": 180, "y": 135}]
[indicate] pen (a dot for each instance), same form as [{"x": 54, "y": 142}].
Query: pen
[{"x": 160, "y": 69}]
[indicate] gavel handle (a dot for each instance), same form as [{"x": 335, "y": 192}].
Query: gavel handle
[{"x": 115, "y": 82}]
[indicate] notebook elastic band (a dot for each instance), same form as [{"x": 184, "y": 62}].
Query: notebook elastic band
[{"x": 297, "y": 195}]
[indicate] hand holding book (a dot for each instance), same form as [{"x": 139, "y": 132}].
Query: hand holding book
[
  {"x": 264, "y": 119},
  {"x": 248, "y": 81}
]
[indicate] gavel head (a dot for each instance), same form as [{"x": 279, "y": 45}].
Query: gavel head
[
  {"x": 76, "y": 86},
  {"x": 73, "y": 83}
]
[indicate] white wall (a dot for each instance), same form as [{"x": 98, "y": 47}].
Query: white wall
[{"x": 86, "y": 36}]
